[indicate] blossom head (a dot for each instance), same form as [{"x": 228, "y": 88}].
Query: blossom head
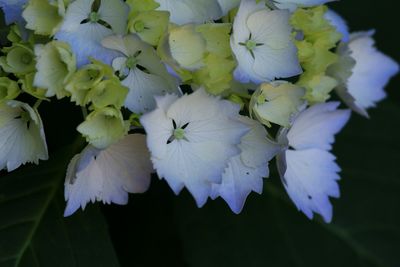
[
  {"x": 86, "y": 24},
  {"x": 262, "y": 43},
  {"x": 191, "y": 140},
  {"x": 141, "y": 71}
]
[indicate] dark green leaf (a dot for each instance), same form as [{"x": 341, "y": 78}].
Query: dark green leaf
[
  {"x": 271, "y": 232},
  {"x": 33, "y": 231}
]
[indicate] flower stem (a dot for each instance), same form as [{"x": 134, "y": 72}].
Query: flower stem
[{"x": 37, "y": 104}]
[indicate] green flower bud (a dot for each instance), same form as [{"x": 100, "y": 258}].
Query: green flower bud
[
  {"x": 9, "y": 89},
  {"x": 108, "y": 93},
  {"x": 55, "y": 64},
  {"x": 43, "y": 16},
  {"x": 187, "y": 47},
  {"x": 138, "y": 6},
  {"x": 19, "y": 59},
  {"x": 149, "y": 25},
  {"x": 104, "y": 127},
  {"x": 276, "y": 102},
  {"x": 81, "y": 82}
]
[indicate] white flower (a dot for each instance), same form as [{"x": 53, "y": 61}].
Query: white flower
[
  {"x": 262, "y": 43},
  {"x": 108, "y": 175},
  {"x": 22, "y": 135},
  {"x": 293, "y": 4},
  {"x": 245, "y": 172},
  {"x": 307, "y": 168},
  {"x": 363, "y": 72},
  {"x": 191, "y": 140},
  {"x": 191, "y": 11},
  {"x": 142, "y": 72},
  {"x": 339, "y": 23},
  {"x": 84, "y": 27}
]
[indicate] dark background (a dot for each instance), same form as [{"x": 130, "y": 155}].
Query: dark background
[{"x": 160, "y": 229}]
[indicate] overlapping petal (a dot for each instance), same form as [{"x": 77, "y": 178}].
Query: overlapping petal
[{"x": 108, "y": 175}]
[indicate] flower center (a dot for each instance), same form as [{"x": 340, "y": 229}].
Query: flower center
[
  {"x": 26, "y": 58},
  {"x": 139, "y": 26},
  {"x": 131, "y": 62},
  {"x": 94, "y": 16},
  {"x": 179, "y": 134},
  {"x": 250, "y": 45}
]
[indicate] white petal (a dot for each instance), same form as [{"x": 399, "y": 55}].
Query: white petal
[
  {"x": 243, "y": 72},
  {"x": 85, "y": 39},
  {"x": 159, "y": 129},
  {"x": 115, "y": 13},
  {"x": 195, "y": 165},
  {"x": 257, "y": 149},
  {"x": 227, "y": 5},
  {"x": 339, "y": 23},
  {"x": 316, "y": 126},
  {"x": 75, "y": 14},
  {"x": 208, "y": 118},
  {"x": 276, "y": 54},
  {"x": 241, "y": 33},
  {"x": 372, "y": 71},
  {"x": 86, "y": 42},
  {"x": 238, "y": 182},
  {"x": 245, "y": 172},
  {"x": 247, "y": 7},
  {"x": 143, "y": 85},
  {"x": 108, "y": 175},
  {"x": 191, "y": 11},
  {"x": 270, "y": 27},
  {"x": 21, "y": 141},
  {"x": 310, "y": 179},
  {"x": 142, "y": 89},
  {"x": 274, "y": 64},
  {"x": 277, "y": 58},
  {"x": 166, "y": 101}
]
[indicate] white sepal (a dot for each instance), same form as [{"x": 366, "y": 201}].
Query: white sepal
[{"x": 108, "y": 175}]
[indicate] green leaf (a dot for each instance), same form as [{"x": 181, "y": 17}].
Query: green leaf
[
  {"x": 271, "y": 232},
  {"x": 33, "y": 231}
]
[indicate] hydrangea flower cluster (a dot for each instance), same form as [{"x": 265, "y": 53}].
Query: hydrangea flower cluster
[{"x": 220, "y": 87}]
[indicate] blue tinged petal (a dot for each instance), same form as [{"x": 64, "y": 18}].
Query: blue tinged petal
[
  {"x": 307, "y": 169},
  {"x": 245, "y": 172},
  {"x": 85, "y": 36},
  {"x": 371, "y": 73},
  {"x": 191, "y": 11},
  {"x": 12, "y": 10},
  {"x": 310, "y": 179},
  {"x": 339, "y": 23}
]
